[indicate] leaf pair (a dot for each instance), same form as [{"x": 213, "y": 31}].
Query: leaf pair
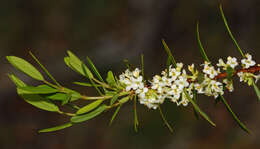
[{"x": 30, "y": 95}]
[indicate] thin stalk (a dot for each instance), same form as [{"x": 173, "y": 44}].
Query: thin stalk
[
  {"x": 45, "y": 70},
  {"x": 229, "y": 31},
  {"x": 136, "y": 123},
  {"x": 103, "y": 84},
  {"x": 164, "y": 120},
  {"x": 65, "y": 113}
]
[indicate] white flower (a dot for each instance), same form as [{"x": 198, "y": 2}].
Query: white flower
[
  {"x": 151, "y": 99},
  {"x": 229, "y": 85},
  {"x": 136, "y": 72},
  {"x": 257, "y": 77},
  {"x": 248, "y": 62},
  {"x": 221, "y": 63},
  {"x": 209, "y": 70},
  {"x": 199, "y": 88},
  {"x": 174, "y": 73},
  {"x": 246, "y": 77},
  {"x": 232, "y": 62},
  {"x": 131, "y": 80},
  {"x": 191, "y": 68},
  {"x": 182, "y": 82}
]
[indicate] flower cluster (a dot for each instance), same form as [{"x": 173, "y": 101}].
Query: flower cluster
[{"x": 178, "y": 86}]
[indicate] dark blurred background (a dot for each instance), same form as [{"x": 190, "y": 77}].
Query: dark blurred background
[{"x": 108, "y": 32}]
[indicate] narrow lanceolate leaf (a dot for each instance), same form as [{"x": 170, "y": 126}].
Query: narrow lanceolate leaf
[
  {"x": 164, "y": 120},
  {"x": 89, "y": 107},
  {"x": 229, "y": 31},
  {"x": 111, "y": 79},
  {"x": 257, "y": 91},
  {"x": 196, "y": 107},
  {"x": 114, "y": 115},
  {"x": 25, "y": 67},
  {"x": 202, "y": 51},
  {"x": 142, "y": 65},
  {"x": 168, "y": 51},
  {"x": 234, "y": 115},
  {"x": 56, "y": 96},
  {"x": 76, "y": 64},
  {"x": 195, "y": 100},
  {"x": 40, "y": 102},
  {"x": 44, "y": 69},
  {"x": 88, "y": 116},
  {"x": 136, "y": 123},
  {"x": 41, "y": 89},
  {"x": 56, "y": 128},
  {"x": 124, "y": 100},
  {"x": 74, "y": 95},
  {"x": 92, "y": 66},
  {"x": 88, "y": 74},
  {"x": 67, "y": 100},
  {"x": 114, "y": 99},
  {"x": 85, "y": 84},
  {"x": 16, "y": 80}
]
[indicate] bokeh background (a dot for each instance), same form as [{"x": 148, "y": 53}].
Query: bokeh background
[{"x": 108, "y": 32}]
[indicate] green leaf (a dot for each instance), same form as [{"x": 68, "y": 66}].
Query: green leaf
[
  {"x": 57, "y": 96},
  {"x": 85, "y": 84},
  {"x": 234, "y": 115},
  {"x": 168, "y": 62},
  {"x": 124, "y": 100},
  {"x": 44, "y": 69},
  {"x": 229, "y": 31},
  {"x": 74, "y": 62},
  {"x": 111, "y": 93},
  {"x": 202, "y": 51},
  {"x": 92, "y": 66},
  {"x": 41, "y": 89},
  {"x": 111, "y": 79},
  {"x": 40, "y": 102},
  {"x": 67, "y": 100},
  {"x": 257, "y": 91},
  {"x": 73, "y": 106},
  {"x": 164, "y": 120},
  {"x": 67, "y": 61},
  {"x": 89, "y": 107},
  {"x": 88, "y": 116},
  {"x": 127, "y": 64},
  {"x": 56, "y": 128},
  {"x": 88, "y": 75},
  {"x": 114, "y": 99},
  {"x": 74, "y": 95},
  {"x": 168, "y": 51},
  {"x": 114, "y": 115},
  {"x": 196, "y": 107},
  {"x": 142, "y": 64},
  {"x": 195, "y": 100},
  {"x": 16, "y": 80},
  {"x": 136, "y": 123},
  {"x": 25, "y": 67},
  {"x": 87, "y": 72}
]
